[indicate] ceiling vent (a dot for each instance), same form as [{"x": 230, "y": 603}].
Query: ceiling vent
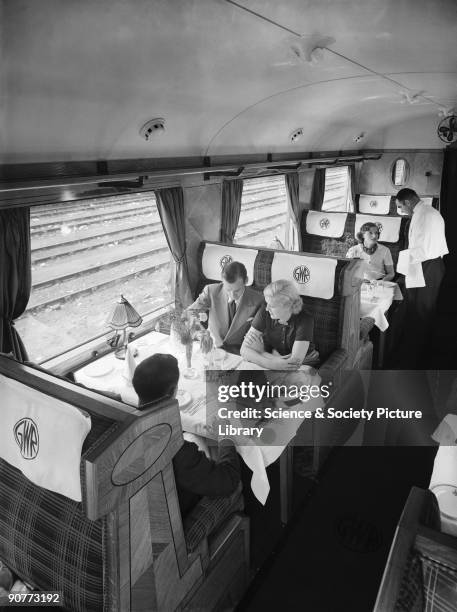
[
  {"x": 296, "y": 135},
  {"x": 152, "y": 128}
]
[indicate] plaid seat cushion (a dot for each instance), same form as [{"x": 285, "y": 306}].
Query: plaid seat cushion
[
  {"x": 208, "y": 515},
  {"x": 46, "y": 539},
  {"x": 411, "y": 598},
  {"x": 440, "y": 586}
]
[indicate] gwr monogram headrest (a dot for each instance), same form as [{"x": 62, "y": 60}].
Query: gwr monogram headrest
[
  {"x": 324, "y": 223},
  {"x": 225, "y": 260},
  {"x": 314, "y": 276},
  {"x": 216, "y": 256},
  {"x": 27, "y": 438},
  {"x": 301, "y": 274},
  {"x": 328, "y": 224}
]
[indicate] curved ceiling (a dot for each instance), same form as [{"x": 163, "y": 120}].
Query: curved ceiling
[{"x": 79, "y": 78}]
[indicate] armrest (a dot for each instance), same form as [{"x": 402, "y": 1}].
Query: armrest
[
  {"x": 331, "y": 369},
  {"x": 208, "y": 515}
]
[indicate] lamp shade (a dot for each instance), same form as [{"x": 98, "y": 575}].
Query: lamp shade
[{"x": 124, "y": 315}]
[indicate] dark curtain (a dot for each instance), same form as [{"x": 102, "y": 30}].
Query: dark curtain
[
  {"x": 352, "y": 186},
  {"x": 231, "y": 207},
  {"x": 448, "y": 206},
  {"x": 317, "y": 194},
  {"x": 170, "y": 204},
  {"x": 292, "y": 185},
  {"x": 15, "y": 277}
]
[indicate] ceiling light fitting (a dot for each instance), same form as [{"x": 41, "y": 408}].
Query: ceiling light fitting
[
  {"x": 152, "y": 128},
  {"x": 360, "y": 137},
  {"x": 296, "y": 135}
]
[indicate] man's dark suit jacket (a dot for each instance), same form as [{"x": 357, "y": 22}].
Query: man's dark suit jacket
[{"x": 197, "y": 476}]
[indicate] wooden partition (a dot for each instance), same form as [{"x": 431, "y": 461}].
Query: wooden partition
[{"x": 128, "y": 487}]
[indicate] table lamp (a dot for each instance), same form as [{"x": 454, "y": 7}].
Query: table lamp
[{"x": 123, "y": 316}]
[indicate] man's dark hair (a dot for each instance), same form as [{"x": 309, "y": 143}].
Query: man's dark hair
[
  {"x": 155, "y": 377},
  {"x": 234, "y": 270},
  {"x": 406, "y": 194}
]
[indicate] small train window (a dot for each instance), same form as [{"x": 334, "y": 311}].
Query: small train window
[
  {"x": 337, "y": 195},
  {"x": 265, "y": 220},
  {"x": 399, "y": 172}
]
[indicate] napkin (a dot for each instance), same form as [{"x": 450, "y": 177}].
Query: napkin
[
  {"x": 129, "y": 364},
  {"x": 414, "y": 276},
  {"x": 446, "y": 432}
]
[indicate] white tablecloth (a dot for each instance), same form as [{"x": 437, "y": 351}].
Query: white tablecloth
[
  {"x": 111, "y": 374},
  {"x": 376, "y": 301}
]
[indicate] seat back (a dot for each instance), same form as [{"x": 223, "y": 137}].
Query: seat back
[
  {"x": 123, "y": 547},
  {"x": 376, "y": 204},
  {"x": 323, "y": 242},
  {"x": 334, "y": 303}
]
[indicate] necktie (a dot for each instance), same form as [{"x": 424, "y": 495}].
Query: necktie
[{"x": 232, "y": 311}]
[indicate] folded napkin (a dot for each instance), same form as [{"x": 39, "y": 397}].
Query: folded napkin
[{"x": 446, "y": 432}]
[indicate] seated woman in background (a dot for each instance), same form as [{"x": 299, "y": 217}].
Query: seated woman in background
[
  {"x": 377, "y": 256},
  {"x": 281, "y": 334}
]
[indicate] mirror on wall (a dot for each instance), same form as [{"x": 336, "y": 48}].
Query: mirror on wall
[{"x": 399, "y": 172}]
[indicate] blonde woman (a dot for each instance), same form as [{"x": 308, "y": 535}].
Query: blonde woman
[{"x": 281, "y": 334}]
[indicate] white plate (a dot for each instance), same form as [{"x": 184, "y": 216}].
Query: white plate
[
  {"x": 184, "y": 398},
  {"x": 98, "y": 368}
]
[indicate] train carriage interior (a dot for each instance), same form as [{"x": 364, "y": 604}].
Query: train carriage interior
[{"x": 156, "y": 158}]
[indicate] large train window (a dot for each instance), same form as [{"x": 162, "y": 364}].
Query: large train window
[
  {"x": 337, "y": 196},
  {"x": 264, "y": 217},
  {"x": 84, "y": 255}
]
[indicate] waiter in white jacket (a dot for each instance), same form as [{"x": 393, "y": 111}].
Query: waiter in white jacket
[{"x": 426, "y": 246}]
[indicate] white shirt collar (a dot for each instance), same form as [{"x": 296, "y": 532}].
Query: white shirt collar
[{"x": 237, "y": 302}]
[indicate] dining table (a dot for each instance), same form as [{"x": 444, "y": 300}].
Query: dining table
[{"x": 112, "y": 374}]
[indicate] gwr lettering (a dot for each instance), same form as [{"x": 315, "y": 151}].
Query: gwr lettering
[{"x": 26, "y": 436}]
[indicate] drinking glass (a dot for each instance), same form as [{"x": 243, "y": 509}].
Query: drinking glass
[{"x": 218, "y": 358}]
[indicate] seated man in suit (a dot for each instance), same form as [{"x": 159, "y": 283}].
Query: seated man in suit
[
  {"x": 196, "y": 476},
  {"x": 231, "y": 305}
]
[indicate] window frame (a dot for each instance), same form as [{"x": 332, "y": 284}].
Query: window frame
[{"x": 96, "y": 346}]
